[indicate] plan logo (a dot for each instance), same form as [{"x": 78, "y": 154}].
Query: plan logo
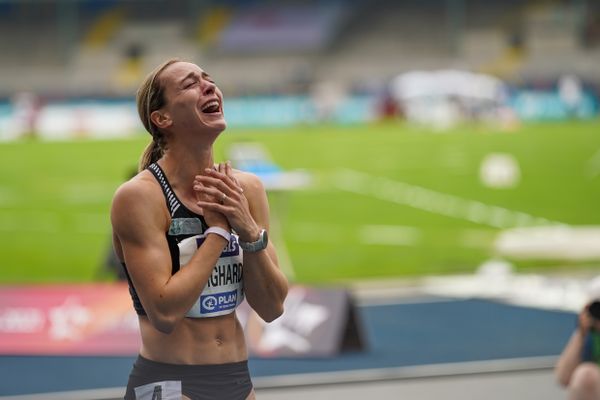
[{"x": 217, "y": 302}]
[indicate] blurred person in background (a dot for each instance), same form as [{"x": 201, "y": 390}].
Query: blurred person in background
[
  {"x": 27, "y": 106},
  {"x": 192, "y": 237},
  {"x": 578, "y": 367},
  {"x": 570, "y": 92}
]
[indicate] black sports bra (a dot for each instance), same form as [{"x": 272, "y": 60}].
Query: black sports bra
[{"x": 224, "y": 289}]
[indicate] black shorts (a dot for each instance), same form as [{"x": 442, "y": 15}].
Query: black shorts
[{"x": 151, "y": 380}]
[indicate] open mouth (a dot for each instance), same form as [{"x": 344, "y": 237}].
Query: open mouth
[{"x": 211, "y": 107}]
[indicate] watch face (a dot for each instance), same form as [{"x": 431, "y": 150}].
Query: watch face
[{"x": 260, "y": 244}]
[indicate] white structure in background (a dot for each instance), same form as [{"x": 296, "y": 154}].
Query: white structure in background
[
  {"x": 500, "y": 171},
  {"x": 446, "y": 97},
  {"x": 101, "y": 120},
  {"x": 254, "y": 158},
  {"x": 556, "y": 242},
  {"x": 570, "y": 92},
  {"x": 18, "y": 119},
  {"x": 327, "y": 97}
]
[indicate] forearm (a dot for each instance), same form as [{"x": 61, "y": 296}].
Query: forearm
[
  {"x": 181, "y": 290},
  {"x": 264, "y": 284},
  {"x": 246, "y": 207},
  {"x": 570, "y": 357}
]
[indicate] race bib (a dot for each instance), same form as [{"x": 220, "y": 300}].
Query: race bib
[
  {"x": 166, "y": 390},
  {"x": 224, "y": 290}
]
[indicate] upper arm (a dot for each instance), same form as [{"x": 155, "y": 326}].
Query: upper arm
[
  {"x": 138, "y": 219},
  {"x": 258, "y": 202}
]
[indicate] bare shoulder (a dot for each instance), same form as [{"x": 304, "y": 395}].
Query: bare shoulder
[
  {"x": 249, "y": 182},
  {"x": 137, "y": 188},
  {"x": 140, "y": 196}
]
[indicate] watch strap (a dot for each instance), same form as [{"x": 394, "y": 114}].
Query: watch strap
[{"x": 258, "y": 245}]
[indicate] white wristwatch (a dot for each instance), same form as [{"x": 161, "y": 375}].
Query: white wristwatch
[{"x": 260, "y": 244}]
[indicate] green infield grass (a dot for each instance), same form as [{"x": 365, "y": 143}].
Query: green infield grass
[{"x": 386, "y": 200}]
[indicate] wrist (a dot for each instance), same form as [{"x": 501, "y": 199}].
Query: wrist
[
  {"x": 251, "y": 236},
  {"x": 257, "y": 245},
  {"x": 218, "y": 231}
]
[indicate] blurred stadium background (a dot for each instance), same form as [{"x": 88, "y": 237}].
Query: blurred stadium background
[{"x": 410, "y": 148}]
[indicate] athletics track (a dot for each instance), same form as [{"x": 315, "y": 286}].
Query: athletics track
[{"x": 416, "y": 344}]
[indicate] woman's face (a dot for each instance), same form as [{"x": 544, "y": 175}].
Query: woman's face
[{"x": 193, "y": 101}]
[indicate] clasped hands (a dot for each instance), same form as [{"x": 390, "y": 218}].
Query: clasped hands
[{"x": 223, "y": 202}]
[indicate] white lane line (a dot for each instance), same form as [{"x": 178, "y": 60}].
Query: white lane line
[
  {"x": 390, "y": 235},
  {"x": 88, "y": 394},
  {"x": 386, "y": 235},
  {"x": 89, "y": 193},
  {"x": 408, "y": 372},
  {"x": 593, "y": 167},
  {"x": 51, "y": 222},
  {"x": 33, "y": 222},
  {"x": 285, "y": 260},
  {"x": 318, "y": 232},
  {"x": 433, "y": 201}
]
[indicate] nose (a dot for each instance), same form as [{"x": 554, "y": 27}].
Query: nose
[{"x": 208, "y": 87}]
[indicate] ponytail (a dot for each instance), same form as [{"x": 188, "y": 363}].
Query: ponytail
[
  {"x": 149, "y": 98},
  {"x": 152, "y": 153}
]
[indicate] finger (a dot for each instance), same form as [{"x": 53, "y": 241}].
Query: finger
[
  {"x": 212, "y": 181},
  {"x": 222, "y": 189},
  {"x": 206, "y": 205},
  {"x": 200, "y": 187},
  {"x": 216, "y": 195},
  {"x": 220, "y": 173},
  {"x": 223, "y": 182},
  {"x": 211, "y": 192},
  {"x": 229, "y": 173},
  {"x": 219, "y": 176},
  {"x": 199, "y": 191}
]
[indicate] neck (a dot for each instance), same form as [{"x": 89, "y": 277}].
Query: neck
[{"x": 182, "y": 165}]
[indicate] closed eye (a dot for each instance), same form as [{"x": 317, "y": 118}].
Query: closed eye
[{"x": 207, "y": 77}]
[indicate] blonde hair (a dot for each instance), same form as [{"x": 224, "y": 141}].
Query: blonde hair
[{"x": 149, "y": 98}]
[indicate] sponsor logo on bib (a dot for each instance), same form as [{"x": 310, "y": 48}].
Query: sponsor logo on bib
[
  {"x": 217, "y": 302},
  {"x": 232, "y": 249}
]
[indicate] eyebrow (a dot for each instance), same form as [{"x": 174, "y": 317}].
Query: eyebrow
[{"x": 191, "y": 74}]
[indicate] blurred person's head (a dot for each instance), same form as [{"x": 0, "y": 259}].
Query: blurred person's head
[
  {"x": 593, "y": 301},
  {"x": 177, "y": 99}
]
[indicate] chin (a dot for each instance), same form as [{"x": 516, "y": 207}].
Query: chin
[
  {"x": 221, "y": 125},
  {"x": 212, "y": 123},
  {"x": 218, "y": 126}
]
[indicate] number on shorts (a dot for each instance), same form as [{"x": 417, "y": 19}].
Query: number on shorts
[
  {"x": 157, "y": 394},
  {"x": 166, "y": 390}
]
